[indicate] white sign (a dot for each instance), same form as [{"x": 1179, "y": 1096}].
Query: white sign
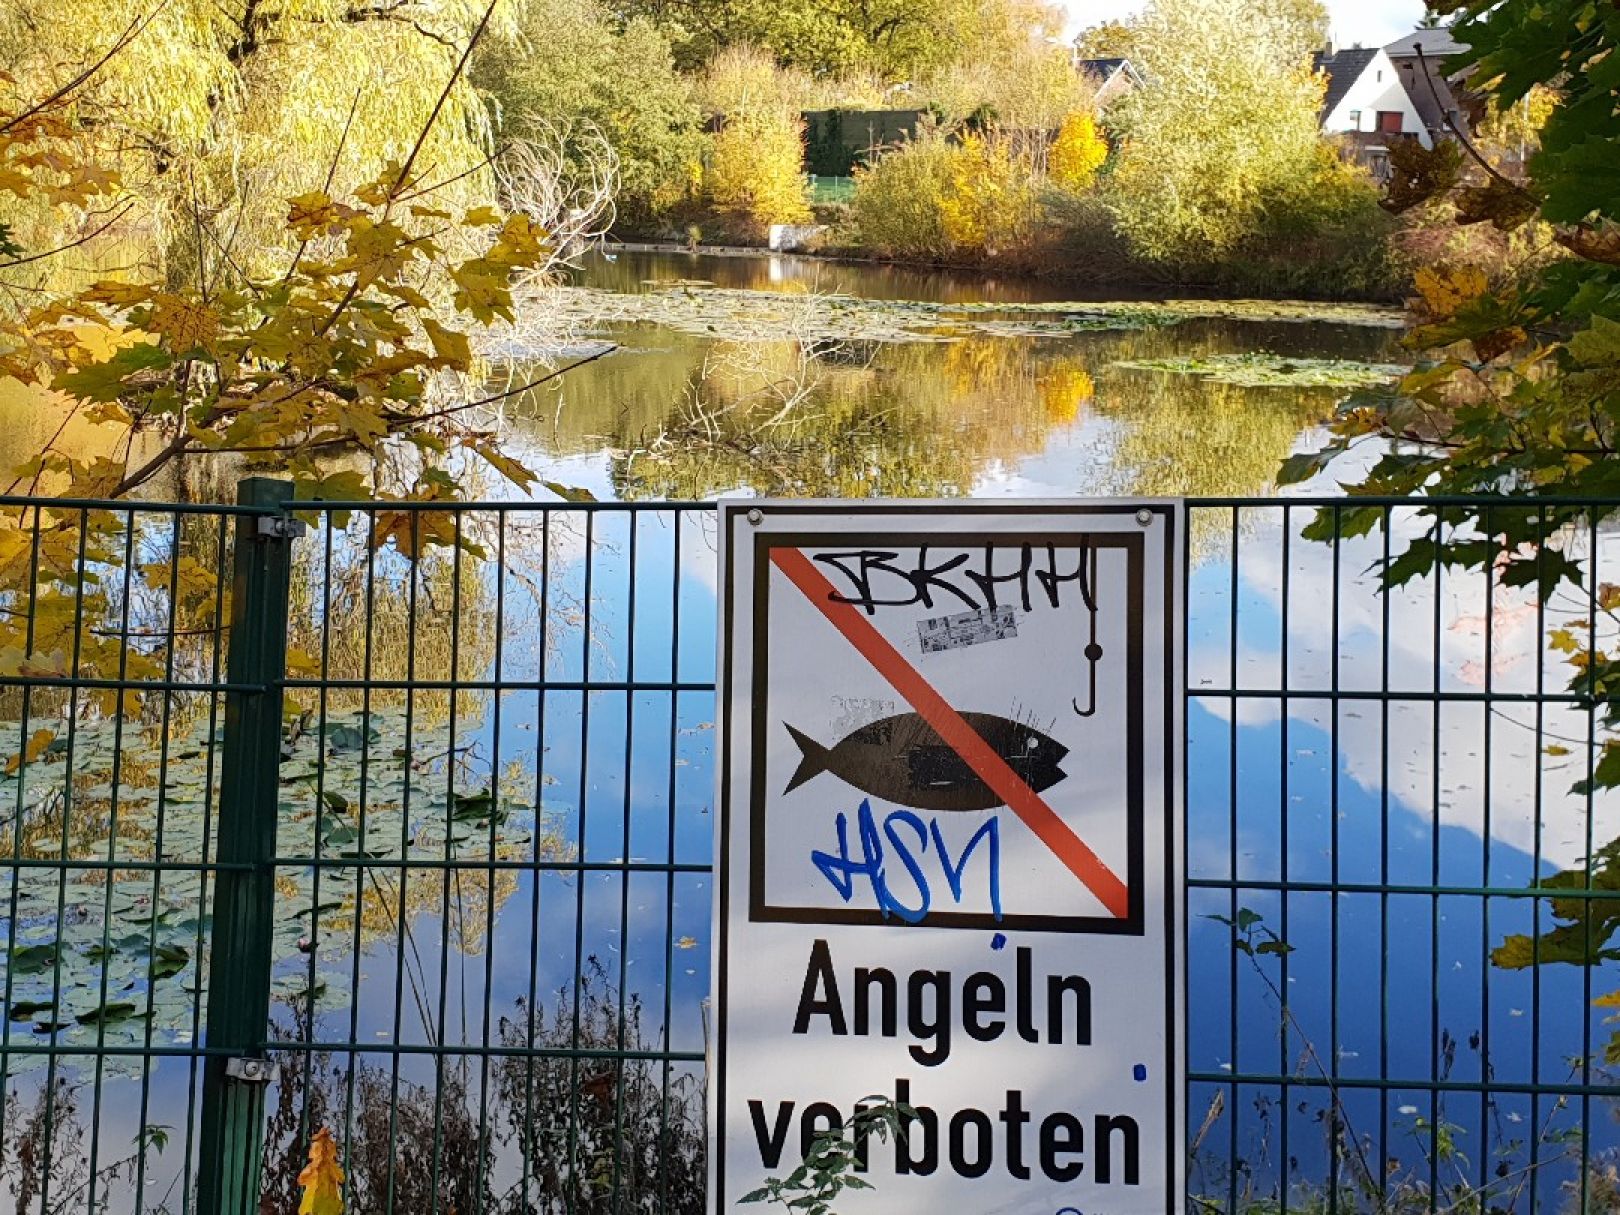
[{"x": 949, "y": 852}]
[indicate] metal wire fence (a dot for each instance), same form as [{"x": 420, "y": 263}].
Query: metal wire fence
[{"x": 457, "y": 890}]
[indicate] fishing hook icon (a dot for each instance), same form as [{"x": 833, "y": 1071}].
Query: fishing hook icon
[{"x": 1094, "y": 651}]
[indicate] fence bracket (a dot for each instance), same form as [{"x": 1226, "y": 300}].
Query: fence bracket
[
  {"x": 280, "y": 527},
  {"x": 252, "y": 1071}
]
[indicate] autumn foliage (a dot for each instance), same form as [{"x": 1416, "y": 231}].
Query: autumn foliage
[
  {"x": 322, "y": 1178},
  {"x": 1516, "y": 395},
  {"x": 755, "y": 175},
  {"x": 1077, "y": 153},
  {"x": 359, "y": 345}
]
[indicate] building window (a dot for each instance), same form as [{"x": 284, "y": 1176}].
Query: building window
[
  {"x": 1380, "y": 75},
  {"x": 1355, "y": 120},
  {"x": 1389, "y": 122}
]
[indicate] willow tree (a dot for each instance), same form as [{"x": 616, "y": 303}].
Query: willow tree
[
  {"x": 1230, "y": 119},
  {"x": 213, "y": 113}
]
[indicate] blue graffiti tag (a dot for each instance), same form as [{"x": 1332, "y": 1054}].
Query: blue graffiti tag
[{"x": 843, "y": 869}]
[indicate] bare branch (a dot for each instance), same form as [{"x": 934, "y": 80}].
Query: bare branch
[
  {"x": 73, "y": 244},
  {"x": 1451, "y": 125},
  {"x": 131, "y": 32},
  {"x": 444, "y": 96}
]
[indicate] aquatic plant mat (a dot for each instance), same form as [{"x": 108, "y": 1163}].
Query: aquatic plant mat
[
  {"x": 745, "y": 315},
  {"x": 1273, "y": 370}
]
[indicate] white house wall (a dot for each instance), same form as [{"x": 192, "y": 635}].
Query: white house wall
[{"x": 1378, "y": 88}]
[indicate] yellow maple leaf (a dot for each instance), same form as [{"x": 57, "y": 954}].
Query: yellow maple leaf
[
  {"x": 300, "y": 662},
  {"x": 322, "y": 1178},
  {"x": 109, "y": 411},
  {"x": 183, "y": 325},
  {"x": 308, "y": 215},
  {"x": 513, "y": 470},
  {"x": 1445, "y": 290},
  {"x": 481, "y": 290},
  {"x": 32, "y": 750},
  {"x": 15, "y": 661},
  {"x": 378, "y": 251},
  {"x": 118, "y": 295},
  {"x": 520, "y": 243},
  {"x": 16, "y": 544},
  {"x": 414, "y": 531},
  {"x": 451, "y": 347}
]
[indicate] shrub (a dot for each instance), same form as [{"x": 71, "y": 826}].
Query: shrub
[
  {"x": 990, "y": 207},
  {"x": 1077, "y": 153},
  {"x": 756, "y": 173},
  {"x": 936, "y": 199},
  {"x": 1232, "y": 115},
  {"x": 898, "y": 210},
  {"x": 1322, "y": 233}
]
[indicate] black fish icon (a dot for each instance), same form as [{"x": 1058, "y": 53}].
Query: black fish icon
[{"x": 903, "y": 760}]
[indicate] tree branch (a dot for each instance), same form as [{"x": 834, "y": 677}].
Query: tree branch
[
  {"x": 331, "y": 174},
  {"x": 509, "y": 393},
  {"x": 1445, "y": 114},
  {"x": 357, "y": 15},
  {"x": 444, "y": 96},
  {"x": 131, "y": 32},
  {"x": 74, "y": 244}
]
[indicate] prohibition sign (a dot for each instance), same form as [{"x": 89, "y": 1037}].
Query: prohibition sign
[
  {"x": 1027, "y": 804},
  {"x": 948, "y": 845}
]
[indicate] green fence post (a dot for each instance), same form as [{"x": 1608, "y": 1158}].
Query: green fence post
[{"x": 235, "y": 1072}]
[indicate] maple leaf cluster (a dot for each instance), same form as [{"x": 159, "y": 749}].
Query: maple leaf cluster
[{"x": 341, "y": 352}]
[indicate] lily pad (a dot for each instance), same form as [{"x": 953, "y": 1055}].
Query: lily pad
[
  {"x": 110, "y": 1013},
  {"x": 1273, "y": 371},
  {"x": 32, "y": 959}
]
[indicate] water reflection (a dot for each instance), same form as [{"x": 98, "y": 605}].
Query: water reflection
[{"x": 672, "y": 416}]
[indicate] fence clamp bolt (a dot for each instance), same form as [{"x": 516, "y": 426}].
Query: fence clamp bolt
[
  {"x": 251, "y": 1071},
  {"x": 280, "y": 527}
]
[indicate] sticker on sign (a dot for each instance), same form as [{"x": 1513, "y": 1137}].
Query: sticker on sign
[{"x": 949, "y": 852}]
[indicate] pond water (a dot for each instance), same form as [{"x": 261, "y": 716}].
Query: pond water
[
  {"x": 769, "y": 380},
  {"x": 556, "y": 810}
]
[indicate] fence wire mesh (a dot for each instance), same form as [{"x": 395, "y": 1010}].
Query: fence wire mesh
[
  {"x": 490, "y": 930},
  {"x": 113, "y": 679},
  {"x": 1392, "y": 787}
]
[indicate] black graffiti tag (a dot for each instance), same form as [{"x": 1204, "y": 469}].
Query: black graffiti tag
[{"x": 1025, "y": 572}]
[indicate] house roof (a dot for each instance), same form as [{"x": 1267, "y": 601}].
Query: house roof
[
  {"x": 1436, "y": 43},
  {"x": 1342, "y": 69},
  {"x": 1103, "y": 67},
  {"x": 1107, "y": 69},
  {"x": 1431, "y": 94}
]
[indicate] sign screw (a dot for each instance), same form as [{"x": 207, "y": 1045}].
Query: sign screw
[
  {"x": 756, "y": 516},
  {"x": 1144, "y": 517}
]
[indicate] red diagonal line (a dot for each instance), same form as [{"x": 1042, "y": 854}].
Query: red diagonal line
[{"x": 955, "y": 732}]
